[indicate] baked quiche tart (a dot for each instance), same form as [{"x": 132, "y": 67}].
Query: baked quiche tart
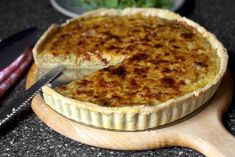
[{"x": 132, "y": 69}]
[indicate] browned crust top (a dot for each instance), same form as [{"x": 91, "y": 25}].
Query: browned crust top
[
  {"x": 216, "y": 45},
  {"x": 165, "y": 59}
]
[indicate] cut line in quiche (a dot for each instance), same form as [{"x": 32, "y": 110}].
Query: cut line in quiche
[{"x": 131, "y": 69}]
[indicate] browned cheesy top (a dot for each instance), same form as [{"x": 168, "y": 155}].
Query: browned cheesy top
[{"x": 164, "y": 59}]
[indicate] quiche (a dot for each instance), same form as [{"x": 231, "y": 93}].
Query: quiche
[{"x": 132, "y": 69}]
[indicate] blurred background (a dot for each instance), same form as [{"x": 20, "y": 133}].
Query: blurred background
[{"x": 29, "y": 136}]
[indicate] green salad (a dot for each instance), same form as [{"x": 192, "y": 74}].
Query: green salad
[{"x": 121, "y": 4}]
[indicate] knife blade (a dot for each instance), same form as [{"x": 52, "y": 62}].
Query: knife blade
[
  {"x": 14, "y": 45},
  {"x": 20, "y": 102}
]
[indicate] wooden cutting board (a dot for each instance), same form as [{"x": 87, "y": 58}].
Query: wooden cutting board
[{"x": 202, "y": 130}]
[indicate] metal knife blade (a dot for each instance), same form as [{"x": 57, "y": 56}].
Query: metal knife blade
[
  {"x": 14, "y": 45},
  {"x": 18, "y": 103}
]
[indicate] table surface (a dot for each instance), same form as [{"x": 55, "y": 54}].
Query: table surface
[{"x": 27, "y": 135}]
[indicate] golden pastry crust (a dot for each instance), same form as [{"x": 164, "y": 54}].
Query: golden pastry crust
[{"x": 139, "y": 117}]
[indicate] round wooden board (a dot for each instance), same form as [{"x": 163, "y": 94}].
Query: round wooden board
[{"x": 203, "y": 131}]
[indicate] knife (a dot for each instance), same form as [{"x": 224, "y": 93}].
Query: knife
[
  {"x": 7, "y": 112},
  {"x": 14, "y": 45}
]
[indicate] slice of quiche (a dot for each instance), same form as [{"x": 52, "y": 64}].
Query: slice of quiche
[{"x": 135, "y": 69}]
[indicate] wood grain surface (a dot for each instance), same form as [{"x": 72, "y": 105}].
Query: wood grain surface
[{"x": 202, "y": 130}]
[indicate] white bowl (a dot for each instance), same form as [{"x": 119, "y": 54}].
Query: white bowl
[{"x": 71, "y": 8}]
